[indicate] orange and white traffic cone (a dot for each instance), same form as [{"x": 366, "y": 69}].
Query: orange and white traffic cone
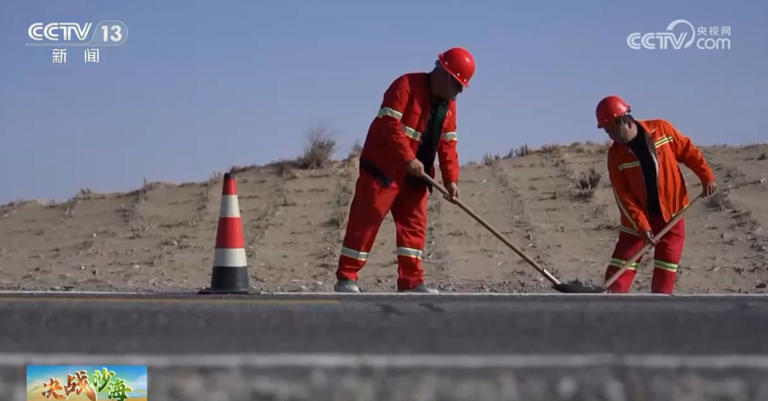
[{"x": 230, "y": 270}]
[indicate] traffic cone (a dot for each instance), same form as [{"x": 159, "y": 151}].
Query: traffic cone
[{"x": 230, "y": 270}]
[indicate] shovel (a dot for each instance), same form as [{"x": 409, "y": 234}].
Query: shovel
[
  {"x": 557, "y": 284},
  {"x": 567, "y": 287},
  {"x": 576, "y": 286}
]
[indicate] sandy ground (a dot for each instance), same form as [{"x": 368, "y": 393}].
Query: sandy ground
[{"x": 161, "y": 237}]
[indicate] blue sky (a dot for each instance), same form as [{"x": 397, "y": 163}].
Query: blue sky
[{"x": 201, "y": 85}]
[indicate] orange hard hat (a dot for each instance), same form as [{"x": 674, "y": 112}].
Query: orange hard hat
[
  {"x": 459, "y": 62},
  {"x": 610, "y": 108}
]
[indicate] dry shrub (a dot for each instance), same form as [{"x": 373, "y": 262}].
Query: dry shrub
[
  {"x": 587, "y": 182},
  {"x": 522, "y": 151},
  {"x": 549, "y": 148},
  {"x": 319, "y": 150},
  {"x": 589, "y": 179},
  {"x": 81, "y": 195},
  {"x": 488, "y": 159}
]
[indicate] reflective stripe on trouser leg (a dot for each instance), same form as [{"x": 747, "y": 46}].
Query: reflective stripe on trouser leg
[
  {"x": 410, "y": 213},
  {"x": 409, "y": 252},
  {"x": 663, "y": 281},
  {"x": 626, "y": 247},
  {"x": 668, "y": 252},
  {"x": 369, "y": 206}
]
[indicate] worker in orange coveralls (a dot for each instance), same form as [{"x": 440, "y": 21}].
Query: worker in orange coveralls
[
  {"x": 649, "y": 190},
  {"x": 415, "y": 123}
]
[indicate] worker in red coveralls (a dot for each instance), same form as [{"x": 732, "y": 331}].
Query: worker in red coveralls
[
  {"x": 415, "y": 123},
  {"x": 649, "y": 189}
]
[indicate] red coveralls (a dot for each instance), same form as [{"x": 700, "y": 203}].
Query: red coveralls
[
  {"x": 393, "y": 139},
  {"x": 667, "y": 147}
]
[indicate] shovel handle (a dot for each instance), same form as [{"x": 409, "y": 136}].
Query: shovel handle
[
  {"x": 648, "y": 247},
  {"x": 495, "y": 232}
]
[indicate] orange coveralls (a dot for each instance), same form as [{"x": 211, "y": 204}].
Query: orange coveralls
[
  {"x": 393, "y": 139},
  {"x": 667, "y": 147}
]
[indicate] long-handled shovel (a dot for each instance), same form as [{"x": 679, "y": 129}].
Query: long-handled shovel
[
  {"x": 663, "y": 231},
  {"x": 559, "y": 286},
  {"x": 566, "y": 286},
  {"x": 577, "y": 286}
]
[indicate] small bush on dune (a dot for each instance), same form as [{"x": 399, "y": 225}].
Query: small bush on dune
[
  {"x": 319, "y": 150},
  {"x": 589, "y": 179},
  {"x": 522, "y": 151},
  {"x": 587, "y": 183},
  {"x": 488, "y": 159},
  {"x": 549, "y": 148}
]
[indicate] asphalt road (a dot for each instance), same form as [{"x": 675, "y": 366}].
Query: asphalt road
[
  {"x": 371, "y": 341},
  {"x": 385, "y": 324}
]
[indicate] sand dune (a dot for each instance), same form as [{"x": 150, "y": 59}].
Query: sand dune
[{"x": 161, "y": 237}]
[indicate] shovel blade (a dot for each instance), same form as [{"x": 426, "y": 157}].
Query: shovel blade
[{"x": 577, "y": 287}]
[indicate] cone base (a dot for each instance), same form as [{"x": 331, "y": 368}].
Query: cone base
[{"x": 228, "y": 280}]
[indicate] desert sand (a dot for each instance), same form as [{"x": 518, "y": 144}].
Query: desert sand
[{"x": 161, "y": 237}]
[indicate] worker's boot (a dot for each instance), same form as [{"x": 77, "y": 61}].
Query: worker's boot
[
  {"x": 421, "y": 288},
  {"x": 349, "y": 286}
]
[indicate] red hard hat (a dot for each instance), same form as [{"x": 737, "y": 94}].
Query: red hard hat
[
  {"x": 459, "y": 63},
  {"x": 609, "y": 108}
]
